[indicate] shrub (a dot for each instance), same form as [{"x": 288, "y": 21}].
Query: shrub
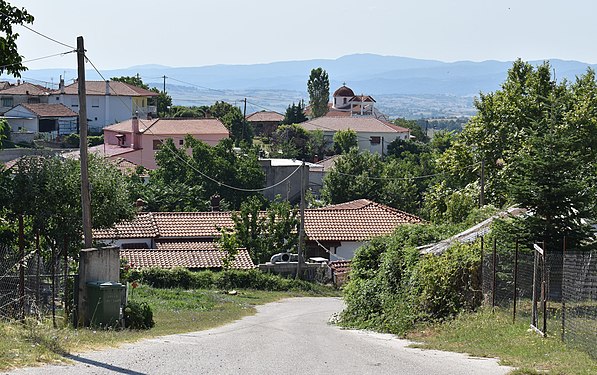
[{"x": 138, "y": 315}]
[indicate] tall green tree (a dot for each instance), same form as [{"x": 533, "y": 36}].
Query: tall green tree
[
  {"x": 10, "y": 60},
  {"x": 318, "y": 87},
  {"x": 295, "y": 114}
]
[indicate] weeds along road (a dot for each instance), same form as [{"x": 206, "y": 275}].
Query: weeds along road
[{"x": 292, "y": 336}]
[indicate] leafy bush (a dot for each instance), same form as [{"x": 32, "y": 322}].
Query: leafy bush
[
  {"x": 138, "y": 315},
  {"x": 228, "y": 279},
  {"x": 392, "y": 287},
  {"x": 72, "y": 140}
]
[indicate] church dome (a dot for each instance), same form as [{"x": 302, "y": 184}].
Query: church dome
[{"x": 344, "y": 91}]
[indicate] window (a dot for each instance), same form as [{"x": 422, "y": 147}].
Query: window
[
  {"x": 121, "y": 139},
  {"x": 181, "y": 142},
  {"x": 375, "y": 140},
  {"x": 74, "y": 102},
  {"x": 94, "y": 102},
  {"x": 34, "y": 100},
  {"x": 157, "y": 144},
  {"x": 344, "y": 100},
  {"x": 7, "y": 102}
]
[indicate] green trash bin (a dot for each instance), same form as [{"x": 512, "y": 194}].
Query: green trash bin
[{"x": 104, "y": 302}]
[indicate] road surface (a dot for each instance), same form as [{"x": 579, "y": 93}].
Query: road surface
[{"x": 292, "y": 336}]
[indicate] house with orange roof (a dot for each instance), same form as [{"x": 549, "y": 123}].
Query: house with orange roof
[
  {"x": 22, "y": 93},
  {"x": 333, "y": 232},
  {"x": 49, "y": 119},
  {"x": 108, "y": 102},
  {"x": 373, "y": 134},
  {"x": 265, "y": 122},
  {"x": 138, "y": 140}
]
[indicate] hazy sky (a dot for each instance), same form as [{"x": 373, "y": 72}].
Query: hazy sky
[{"x": 124, "y": 33}]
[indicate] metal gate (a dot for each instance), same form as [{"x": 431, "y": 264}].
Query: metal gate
[{"x": 539, "y": 314}]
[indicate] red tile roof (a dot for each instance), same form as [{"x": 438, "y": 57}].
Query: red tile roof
[
  {"x": 166, "y": 127},
  {"x": 343, "y": 91},
  {"x": 99, "y": 88},
  {"x": 142, "y": 226},
  {"x": 358, "y": 220},
  {"x": 25, "y": 88},
  {"x": 358, "y": 124},
  {"x": 265, "y": 116},
  {"x": 49, "y": 110},
  {"x": 186, "y": 245},
  {"x": 188, "y": 258},
  {"x": 340, "y": 266}
]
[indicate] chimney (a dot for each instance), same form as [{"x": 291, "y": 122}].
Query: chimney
[
  {"x": 18, "y": 82},
  {"x": 61, "y": 85},
  {"x": 215, "y": 202},
  {"x": 136, "y": 135},
  {"x": 108, "y": 87}
]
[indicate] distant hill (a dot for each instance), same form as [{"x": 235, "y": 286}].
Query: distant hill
[{"x": 404, "y": 87}]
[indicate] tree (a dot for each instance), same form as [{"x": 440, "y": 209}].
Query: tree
[
  {"x": 262, "y": 233},
  {"x": 131, "y": 80},
  {"x": 355, "y": 175},
  {"x": 162, "y": 102},
  {"x": 415, "y": 129},
  {"x": 344, "y": 140},
  {"x": 295, "y": 114},
  {"x": 10, "y": 60},
  {"x": 318, "y": 87}
]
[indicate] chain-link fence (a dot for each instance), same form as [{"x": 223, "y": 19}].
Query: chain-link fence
[
  {"x": 563, "y": 284},
  {"x": 32, "y": 286}
]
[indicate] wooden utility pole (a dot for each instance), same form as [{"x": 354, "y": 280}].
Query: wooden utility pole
[
  {"x": 164, "y": 77},
  {"x": 85, "y": 194},
  {"x": 301, "y": 244}
]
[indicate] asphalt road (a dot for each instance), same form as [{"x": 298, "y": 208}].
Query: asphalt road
[{"x": 292, "y": 336}]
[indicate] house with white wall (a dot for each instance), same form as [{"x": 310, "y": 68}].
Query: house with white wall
[
  {"x": 108, "y": 102},
  {"x": 22, "y": 93},
  {"x": 49, "y": 119},
  {"x": 373, "y": 134}
]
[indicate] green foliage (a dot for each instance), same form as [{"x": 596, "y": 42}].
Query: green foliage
[
  {"x": 11, "y": 61},
  {"x": 318, "y": 87},
  {"x": 293, "y": 141},
  {"x": 392, "y": 287},
  {"x": 295, "y": 114},
  {"x": 415, "y": 129},
  {"x": 228, "y": 279},
  {"x": 138, "y": 315},
  {"x": 443, "y": 204},
  {"x": 261, "y": 233},
  {"x": 73, "y": 140},
  {"x": 344, "y": 140},
  {"x": 131, "y": 80},
  {"x": 180, "y": 183}
]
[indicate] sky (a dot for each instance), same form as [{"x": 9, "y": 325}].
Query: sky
[{"x": 125, "y": 33}]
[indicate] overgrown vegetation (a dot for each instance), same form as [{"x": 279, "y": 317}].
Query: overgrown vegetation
[
  {"x": 224, "y": 280},
  {"x": 392, "y": 287}
]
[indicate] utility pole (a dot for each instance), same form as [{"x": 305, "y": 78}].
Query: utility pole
[
  {"x": 164, "y": 77},
  {"x": 245, "y": 110},
  {"x": 482, "y": 195},
  {"x": 85, "y": 195},
  {"x": 301, "y": 245}
]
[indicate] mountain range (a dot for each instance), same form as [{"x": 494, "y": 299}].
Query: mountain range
[{"x": 402, "y": 86}]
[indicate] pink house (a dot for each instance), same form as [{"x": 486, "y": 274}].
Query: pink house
[{"x": 137, "y": 141}]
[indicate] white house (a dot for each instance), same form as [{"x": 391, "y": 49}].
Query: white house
[
  {"x": 21, "y": 93},
  {"x": 108, "y": 102},
  {"x": 372, "y": 134},
  {"x": 52, "y": 119}
]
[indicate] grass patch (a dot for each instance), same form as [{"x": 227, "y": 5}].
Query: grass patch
[
  {"x": 492, "y": 334},
  {"x": 175, "y": 311}
]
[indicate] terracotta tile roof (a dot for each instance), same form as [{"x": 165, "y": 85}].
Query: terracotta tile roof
[
  {"x": 358, "y": 124},
  {"x": 191, "y": 224},
  {"x": 343, "y": 91},
  {"x": 105, "y": 150},
  {"x": 25, "y": 88},
  {"x": 49, "y": 110},
  {"x": 99, "y": 88},
  {"x": 340, "y": 266},
  {"x": 142, "y": 226},
  {"x": 329, "y": 162},
  {"x": 169, "y": 258},
  {"x": 166, "y": 127},
  {"x": 265, "y": 116},
  {"x": 358, "y": 220},
  {"x": 186, "y": 245}
]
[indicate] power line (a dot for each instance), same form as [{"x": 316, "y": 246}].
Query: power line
[
  {"x": 37, "y": 59},
  {"x": 408, "y": 178},
  {"x": 39, "y": 33}
]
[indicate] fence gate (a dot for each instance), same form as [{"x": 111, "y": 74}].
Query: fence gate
[{"x": 539, "y": 314}]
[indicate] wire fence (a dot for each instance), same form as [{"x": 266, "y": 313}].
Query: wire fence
[
  {"x": 34, "y": 287},
  {"x": 554, "y": 290}
]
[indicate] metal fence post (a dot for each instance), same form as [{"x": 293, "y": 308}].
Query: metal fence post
[
  {"x": 494, "y": 281},
  {"x": 515, "y": 293},
  {"x": 563, "y": 288}
]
